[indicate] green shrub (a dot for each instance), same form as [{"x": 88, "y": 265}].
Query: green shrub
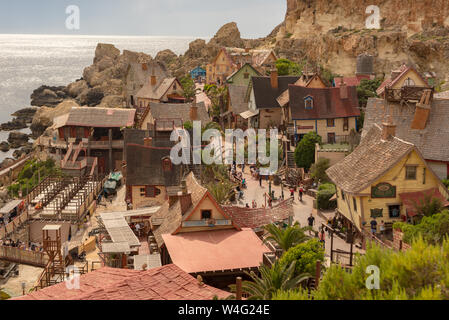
[
  {"x": 306, "y": 255},
  {"x": 318, "y": 170},
  {"x": 446, "y": 182},
  {"x": 305, "y": 150},
  {"x": 325, "y": 193}
]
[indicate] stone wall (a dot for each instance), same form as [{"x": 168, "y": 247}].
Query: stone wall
[{"x": 398, "y": 243}]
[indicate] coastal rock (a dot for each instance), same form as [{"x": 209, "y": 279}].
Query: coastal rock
[
  {"x": 112, "y": 102},
  {"x": 4, "y": 146},
  {"x": 76, "y": 88},
  {"x": 48, "y": 96},
  {"x": 25, "y": 114},
  {"x": 44, "y": 116},
  {"x": 166, "y": 56},
  {"x": 6, "y": 163},
  {"x": 94, "y": 97},
  {"x": 105, "y": 50},
  {"x": 227, "y": 36},
  {"x": 15, "y": 124},
  {"x": 17, "y": 139}
]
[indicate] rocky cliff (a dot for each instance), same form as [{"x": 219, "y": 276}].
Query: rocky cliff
[{"x": 332, "y": 33}]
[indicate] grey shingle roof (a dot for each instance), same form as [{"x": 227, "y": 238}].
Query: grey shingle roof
[
  {"x": 432, "y": 142},
  {"x": 237, "y": 98},
  {"x": 96, "y": 117},
  {"x": 369, "y": 161},
  {"x": 178, "y": 111},
  {"x": 265, "y": 95}
]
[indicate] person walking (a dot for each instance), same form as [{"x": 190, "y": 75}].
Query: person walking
[
  {"x": 260, "y": 180},
  {"x": 322, "y": 237},
  {"x": 311, "y": 221},
  {"x": 382, "y": 228},
  {"x": 292, "y": 193},
  {"x": 301, "y": 192}
]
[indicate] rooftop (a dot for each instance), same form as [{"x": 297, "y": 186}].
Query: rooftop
[
  {"x": 164, "y": 283},
  {"x": 215, "y": 250},
  {"x": 265, "y": 95},
  {"x": 96, "y": 117}
]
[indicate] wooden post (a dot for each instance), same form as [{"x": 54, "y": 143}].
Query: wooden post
[
  {"x": 110, "y": 150},
  {"x": 332, "y": 246},
  {"x": 238, "y": 286},
  {"x": 317, "y": 274}
]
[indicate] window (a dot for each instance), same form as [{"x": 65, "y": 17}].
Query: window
[
  {"x": 409, "y": 83},
  {"x": 142, "y": 192},
  {"x": 151, "y": 192},
  {"x": 246, "y": 75},
  {"x": 174, "y": 86},
  {"x": 206, "y": 214},
  {"x": 354, "y": 201},
  {"x": 346, "y": 124},
  {"x": 410, "y": 173},
  {"x": 331, "y": 122},
  {"x": 394, "y": 211},
  {"x": 166, "y": 164},
  {"x": 308, "y": 102}
]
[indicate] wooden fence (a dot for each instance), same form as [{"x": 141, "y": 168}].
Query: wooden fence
[
  {"x": 14, "y": 225},
  {"x": 28, "y": 257}
]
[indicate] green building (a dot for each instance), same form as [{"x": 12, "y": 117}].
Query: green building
[{"x": 242, "y": 77}]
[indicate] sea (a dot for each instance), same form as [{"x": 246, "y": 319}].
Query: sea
[{"x": 29, "y": 61}]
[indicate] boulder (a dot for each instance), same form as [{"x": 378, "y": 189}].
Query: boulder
[
  {"x": 18, "y": 153},
  {"x": 94, "y": 97},
  {"x": 4, "y": 146},
  {"x": 44, "y": 116},
  {"x": 15, "y": 124},
  {"x": 112, "y": 101},
  {"x": 26, "y": 114},
  {"x": 106, "y": 50},
  {"x": 166, "y": 56},
  {"x": 48, "y": 96},
  {"x": 227, "y": 36},
  {"x": 105, "y": 63},
  {"x": 17, "y": 139},
  {"x": 76, "y": 88}
]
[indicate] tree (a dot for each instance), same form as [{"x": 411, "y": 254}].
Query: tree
[
  {"x": 288, "y": 237},
  {"x": 305, "y": 255},
  {"x": 318, "y": 170},
  {"x": 272, "y": 280},
  {"x": 286, "y": 67},
  {"x": 305, "y": 151},
  {"x": 366, "y": 89},
  {"x": 189, "y": 87},
  {"x": 428, "y": 206}
]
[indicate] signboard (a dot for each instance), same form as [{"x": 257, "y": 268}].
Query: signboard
[
  {"x": 377, "y": 213},
  {"x": 383, "y": 190}
]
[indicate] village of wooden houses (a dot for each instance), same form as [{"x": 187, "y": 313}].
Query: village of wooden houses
[{"x": 362, "y": 181}]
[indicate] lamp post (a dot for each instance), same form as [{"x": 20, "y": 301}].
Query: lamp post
[{"x": 23, "y": 287}]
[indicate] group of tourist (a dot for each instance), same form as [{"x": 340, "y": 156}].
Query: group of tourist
[{"x": 30, "y": 246}]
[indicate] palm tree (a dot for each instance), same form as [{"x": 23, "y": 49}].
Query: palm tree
[
  {"x": 286, "y": 238},
  {"x": 278, "y": 277}
]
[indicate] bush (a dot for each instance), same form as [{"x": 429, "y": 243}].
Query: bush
[
  {"x": 325, "y": 193},
  {"x": 433, "y": 229},
  {"x": 305, "y": 151},
  {"x": 318, "y": 170},
  {"x": 446, "y": 182},
  {"x": 306, "y": 255},
  {"x": 286, "y": 67}
]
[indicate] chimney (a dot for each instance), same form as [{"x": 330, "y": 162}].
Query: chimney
[
  {"x": 422, "y": 111},
  {"x": 274, "y": 79},
  {"x": 194, "y": 110},
  {"x": 185, "y": 198},
  {"x": 148, "y": 142},
  {"x": 343, "y": 90},
  {"x": 388, "y": 128}
]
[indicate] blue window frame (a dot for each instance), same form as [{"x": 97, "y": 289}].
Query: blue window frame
[{"x": 308, "y": 102}]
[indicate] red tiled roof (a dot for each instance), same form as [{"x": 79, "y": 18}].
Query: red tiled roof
[
  {"x": 410, "y": 199},
  {"x": 215, "y": 250},
  {"x": 351, "y": 81},
  {"x": 327, "y": 103},
  {"x": 260, "y": 217},
  {"x": 164, "y": 283}
]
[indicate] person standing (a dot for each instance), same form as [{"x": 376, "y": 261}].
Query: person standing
[
  {"x": 260, "y": 180},
  {"x": 322, "y": 236},
  {"x": 311, "y": 221},
  {"x": 373, "y": 224},
  {"x": 382, "y": 228}
]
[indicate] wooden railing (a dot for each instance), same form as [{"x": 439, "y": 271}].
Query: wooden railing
[
  {"x": 14, "y": 225},
  {"x": 21, "y": 256},
  {"x": 405, "y": 93}
]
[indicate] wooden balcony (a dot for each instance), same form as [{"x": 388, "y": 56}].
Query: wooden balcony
[{"x": 406, "y": 94}]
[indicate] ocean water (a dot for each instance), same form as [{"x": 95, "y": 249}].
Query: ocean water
[{"x": 29, "y": 61}]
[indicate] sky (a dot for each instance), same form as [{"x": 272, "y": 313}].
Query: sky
[{"x": 197, "y": 18}]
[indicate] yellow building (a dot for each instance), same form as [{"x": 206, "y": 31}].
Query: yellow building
[
  {"x": 402, "y": 77},
  {"x": 229, "y": 60},
  {"x": 382, "y": 179},
  {"x": 330, "y": 112}
]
